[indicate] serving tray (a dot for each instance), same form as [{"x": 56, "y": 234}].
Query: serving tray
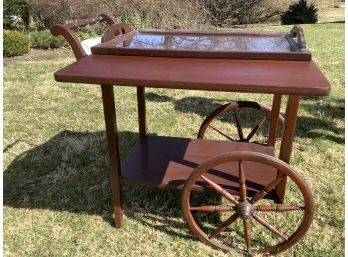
[{"x": 208, "y": 44}]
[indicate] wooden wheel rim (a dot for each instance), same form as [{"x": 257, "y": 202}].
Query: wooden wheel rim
[
  {"x": 233, "y": 106},
  {"x": 255, "y": 157}
]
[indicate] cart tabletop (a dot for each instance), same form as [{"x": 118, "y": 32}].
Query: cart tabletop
[{"x": 229, "y": 75}]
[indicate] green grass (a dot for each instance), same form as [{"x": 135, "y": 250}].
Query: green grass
[
  {"x": 57, "y": 198},
  {"x": 331, "y": 15}
]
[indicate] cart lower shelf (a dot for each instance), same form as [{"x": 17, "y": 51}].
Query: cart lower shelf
[{"x": 168, "y": 161}]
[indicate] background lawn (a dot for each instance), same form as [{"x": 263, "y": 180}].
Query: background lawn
[{"x": 57, "y": 197}]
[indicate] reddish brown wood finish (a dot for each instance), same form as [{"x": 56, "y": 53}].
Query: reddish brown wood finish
[
  {"x": 245, "y": 210},
  {"x": 271, "y": 77},
  {"x": 272, "y": 134},
  {"x": 272, "y": 228},
  {"x": 279, "y": 207},
  {"x": 166, "y": 162},
  {"x": 211, "y": 208},
  {"x": 224, "y": 226},
  {"x": 74, "y": 42},
  {"x": 262, "y": 193},
  {"x": 234, "y": 107},
  {"x": 242, "y": 183},
  {"x": 247, "y": 233},
  {"x": 114, "y": 155},
  {"x": 115, "y": 30},
  {"x": 219, "y": 189},
  {"x": 141, "y": 110},
  {"x": 67, "y": 32},
  {"x": 239, "y": 126},
  {"x": 108, "y": 103},
  {"x": 288, "y": 139},
  {"x": 297, "y": 53},
  {"x": 289, "y": 128},
  {"x": 111, "y": 50}
]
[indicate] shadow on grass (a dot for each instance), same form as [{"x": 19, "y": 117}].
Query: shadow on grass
[
  {"x": 320, "y": 125},
  {"x": 204, "y": 106},
  {"x": 70, "y": 173},
  {"x": 198, "y": 105},
  {"x": 331, "y": 22}
]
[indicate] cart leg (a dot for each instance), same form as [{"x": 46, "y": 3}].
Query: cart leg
[
  {"x": 141, "y": 111},
  {"x": 288, "y": 139},
  {"x": 114, "y": 155},
  {"x": 274, "y": 120}
]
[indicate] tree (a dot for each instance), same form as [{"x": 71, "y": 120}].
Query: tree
[
  {"x": 228, "y": 12},
  {"x": 16, "y": 11},
  {"x": 300, "y": 13}
]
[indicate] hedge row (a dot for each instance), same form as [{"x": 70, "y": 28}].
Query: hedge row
[
  {"x": 161, "y": 14},
  {"x": 44, "y": 40},
  {"x": 19, "y": 43},
  {"x": 15, "y": 43}
]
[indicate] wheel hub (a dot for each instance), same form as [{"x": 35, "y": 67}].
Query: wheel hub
[{"x": 244, "y": 209}]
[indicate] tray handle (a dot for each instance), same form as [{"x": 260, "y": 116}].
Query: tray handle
[
  {"x": 115, "y": 30},
  {"x": 297, "y": 31},
  {"x": 67, "y": 32}
]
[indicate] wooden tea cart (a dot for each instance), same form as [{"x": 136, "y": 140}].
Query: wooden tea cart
[{"x": 244, "y": 171}]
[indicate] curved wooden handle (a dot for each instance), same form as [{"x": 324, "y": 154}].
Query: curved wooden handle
[
  {"x": 89, "y": 21},
  {"x": 115, "y": 30},
  {"x": 67, "y": 32},
  {"x": 83, "y": 23},
  {"x": 297, "y": 31}
]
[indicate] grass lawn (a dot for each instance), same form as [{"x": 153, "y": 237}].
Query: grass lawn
[{"x": 57, "y": 197}]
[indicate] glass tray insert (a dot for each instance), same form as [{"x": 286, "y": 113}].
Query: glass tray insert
[{"x": 202, "y": 44}]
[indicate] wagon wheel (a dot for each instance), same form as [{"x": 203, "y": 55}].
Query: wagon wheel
[
  {"x": 232, "y": 108},
  {"x": 260, "y": 226}
]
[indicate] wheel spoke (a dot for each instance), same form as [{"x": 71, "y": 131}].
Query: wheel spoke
[
  {"x": 247, "y": 233},
  {"x": 261, "y": 194},
  {"x": 212, "y": 208},
  {"x": 270, "y": 227},
  {"x": 220, "y": 190},
  {"x": 242, "y": 185},
  {"x": 239, "y": 127},
  {"x": 257, "y": 127},
  {"x": 221, "y": 132},
  {"x": 279, "y": 207},
  {"x": 255, "y": 213},
  {"x": 224, "y": 225}
]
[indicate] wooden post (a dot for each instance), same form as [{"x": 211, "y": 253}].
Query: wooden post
[
  {"x": 141, "y": 110},
  {"x": 114, "y": 154},
  {"x": 288, "y": 139},
  {"x": 272, "y": 136}
]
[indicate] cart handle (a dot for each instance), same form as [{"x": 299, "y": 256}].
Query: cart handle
[
  {"x": 297, "y": 31},
  {"x": 67, "y": 31}
]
